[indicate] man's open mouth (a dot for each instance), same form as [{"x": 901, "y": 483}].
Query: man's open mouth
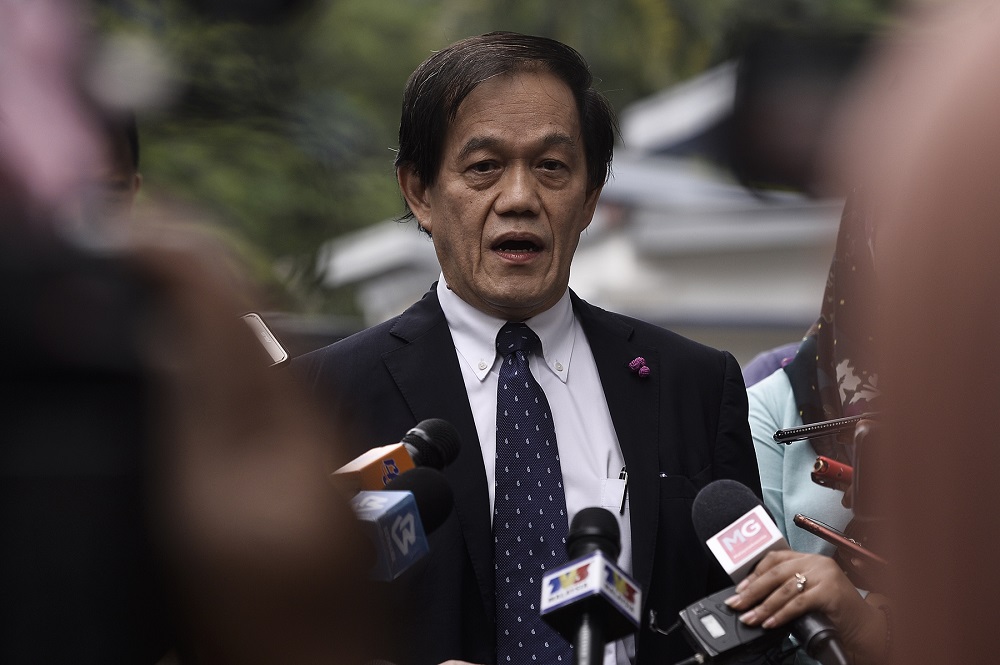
[{"x": 515, "y": 246}]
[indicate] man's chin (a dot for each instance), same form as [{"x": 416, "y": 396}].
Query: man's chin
[{"x": 514, "y": 304}]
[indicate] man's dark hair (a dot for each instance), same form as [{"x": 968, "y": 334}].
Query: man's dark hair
[{"x": 441, "y": 83}]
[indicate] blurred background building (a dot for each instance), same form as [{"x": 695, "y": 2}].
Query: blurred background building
[{"x": 675, "y": 239}]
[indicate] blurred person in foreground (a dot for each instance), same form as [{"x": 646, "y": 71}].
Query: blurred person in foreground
[
  {"x": 160, "y": 500},
  {"x": 923, "y": 134},
  {"x": 504, "y": 149},
  {"x": 928, "y": 139}
]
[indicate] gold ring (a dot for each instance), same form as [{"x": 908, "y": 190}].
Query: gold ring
[{"x": 800, "y": 582}]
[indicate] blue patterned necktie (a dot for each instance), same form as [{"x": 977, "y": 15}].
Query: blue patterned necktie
[{"x": 529, "y": 518}]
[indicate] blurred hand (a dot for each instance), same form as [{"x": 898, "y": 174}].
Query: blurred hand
[{"x": 770, "y": 597}]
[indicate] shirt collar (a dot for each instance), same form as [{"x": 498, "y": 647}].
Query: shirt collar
[{"x": 475, "y": 333}]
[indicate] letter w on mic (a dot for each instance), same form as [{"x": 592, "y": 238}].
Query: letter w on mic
[{"x": 394, "y": 527}]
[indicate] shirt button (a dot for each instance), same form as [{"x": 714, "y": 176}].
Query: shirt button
[
  {"x": 482, "y": 364},
  {"x": 559, "y": 367}
]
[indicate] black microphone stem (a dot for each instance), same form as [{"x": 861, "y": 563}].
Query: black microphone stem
[
  {"x": 817, "y": 635},
  {"x": 589, "y": 643},
  {"x": 831, "y": 653}
]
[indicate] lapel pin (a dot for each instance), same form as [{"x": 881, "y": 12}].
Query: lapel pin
[{"x": 639, "y": 367}]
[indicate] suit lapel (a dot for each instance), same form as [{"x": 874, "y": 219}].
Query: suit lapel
[
  {"x": 633, "y": 402},
  {"x": 428, "y": 376},
  {"x": 427, "y": 373}
]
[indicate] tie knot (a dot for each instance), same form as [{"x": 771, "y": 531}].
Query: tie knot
[{"x": 517, "y": 336}]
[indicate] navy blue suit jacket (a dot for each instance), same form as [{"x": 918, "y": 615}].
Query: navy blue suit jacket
[{"x": 679, "y": 428}]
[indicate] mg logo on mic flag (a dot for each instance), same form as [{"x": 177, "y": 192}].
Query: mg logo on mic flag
[
  {"x": 743, "y": 538},
  {"x": 739, "y": 546}
]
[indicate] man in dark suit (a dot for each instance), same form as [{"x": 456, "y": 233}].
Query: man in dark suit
[{"x": 504, "y": 149}]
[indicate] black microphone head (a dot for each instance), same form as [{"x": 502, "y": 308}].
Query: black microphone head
[
  {"x": 594, "y": 529},
  {"x": 719, "y": 504},
  {"x": 431, "y": 491},
  {"x": 434, "y": 443}
]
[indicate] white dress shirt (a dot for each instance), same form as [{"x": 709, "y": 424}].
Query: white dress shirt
[{"x": 589, "y": 454}]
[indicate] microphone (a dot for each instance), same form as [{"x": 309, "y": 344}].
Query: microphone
[
  {"x": 431, "y": 491},
  {"x": 830, "y": 473},
  {"x": 397, "y": 520},
  {"x": 432, "y": 443},
  {"x": 736, "y": 527},
  {"x": 589, "y": 600}
]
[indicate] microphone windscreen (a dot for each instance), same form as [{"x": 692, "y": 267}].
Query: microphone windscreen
[
  {"x": 594, "y": 529},
  {"x": 436, "y": 443},
  {"x": 431, "y": 491},
  {"x": 719, "y": 504}
]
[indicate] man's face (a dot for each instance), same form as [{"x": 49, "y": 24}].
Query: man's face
[{"x": 511, "y": 199}]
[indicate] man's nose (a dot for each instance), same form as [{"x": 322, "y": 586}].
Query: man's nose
[{"x": 518, "y": 192}]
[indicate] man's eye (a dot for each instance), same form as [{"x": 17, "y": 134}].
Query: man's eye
[
  {"x": 551, "y": 165},
  {"x": 482, "y": 167}
]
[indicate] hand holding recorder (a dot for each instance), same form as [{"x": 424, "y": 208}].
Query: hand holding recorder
[{"x": 787, "y": 584}]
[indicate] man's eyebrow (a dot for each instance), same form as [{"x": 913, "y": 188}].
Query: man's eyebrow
[
  {"x": 491, "y": 143},
  {"x": 558, "y": 138},
  {"x": 477, "y": 143}
]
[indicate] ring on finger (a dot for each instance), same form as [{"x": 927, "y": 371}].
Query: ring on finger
[{"x": 800, "y": 582}]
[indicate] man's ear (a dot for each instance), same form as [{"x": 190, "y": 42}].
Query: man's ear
[
  {"x": 415, "y": 193},
  {"x": 590, "y": 205}
]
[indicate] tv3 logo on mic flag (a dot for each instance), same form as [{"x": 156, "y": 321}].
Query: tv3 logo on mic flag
[
  {"x": 622, "y": 585},
  {"x": 564, "y": 584},
  {"x": 592, "y": 575}
]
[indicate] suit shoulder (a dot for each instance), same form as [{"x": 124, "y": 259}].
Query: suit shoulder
[
  {"x": 355, "y": 357},
  {"x": 359, "y": 349},
  {"x": 649, "y": 334}
]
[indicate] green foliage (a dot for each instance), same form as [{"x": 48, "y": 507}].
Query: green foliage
[{"x": 284, "y": 133}]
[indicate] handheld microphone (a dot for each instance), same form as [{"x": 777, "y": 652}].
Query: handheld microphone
[
  {"x": 589, "y": 600},
  {"x": 433, "y": 443},
  {"x": 830, "y": 473},
  {"x": 733, "y": 523},
  {"x": 398, "y": 519}
]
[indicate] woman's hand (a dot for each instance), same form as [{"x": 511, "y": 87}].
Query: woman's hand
[{"x": 786, "y": 584}]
